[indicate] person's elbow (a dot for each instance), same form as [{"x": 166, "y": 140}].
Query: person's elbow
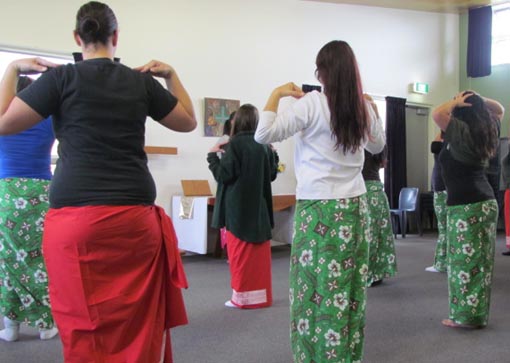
[
  {"x": 180, "y": 122},
  {"x": 189, "y": 125},
  {"x": 440, "y": 120},
  {"x": 261, "y": 137},
  {"x": 377, "y": 146}
]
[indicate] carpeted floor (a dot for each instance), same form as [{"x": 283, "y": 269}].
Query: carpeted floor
[{"x": 403, "y": 318}]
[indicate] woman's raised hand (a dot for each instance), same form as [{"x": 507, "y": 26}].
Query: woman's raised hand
[
  {"x": 32, "y": 65},
  {"x": 460, "y": 99},
  {"x": 157, "y": 69},
  {"x": 290, "y": 89}
]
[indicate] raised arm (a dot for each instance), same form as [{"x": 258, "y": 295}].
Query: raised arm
[
  {"x": 182, "y": 117},
  {"x": 495, "y": 108},
  {"x": 443, "y": 113},
  {"x": 269, "y": 129},
  {"x": 377, "y": 137},
  {"x": 16, "y": 115}
]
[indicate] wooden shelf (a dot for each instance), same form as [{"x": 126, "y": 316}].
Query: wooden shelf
[{"x": 161, "y": 150}]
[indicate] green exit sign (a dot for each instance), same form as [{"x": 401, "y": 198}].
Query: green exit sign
[{"x": 419, "y": 87}]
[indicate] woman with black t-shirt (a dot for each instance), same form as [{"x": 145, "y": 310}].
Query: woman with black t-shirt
[
  {"x": 470, "y": 124},
  {"x": 114, "y": 269}
]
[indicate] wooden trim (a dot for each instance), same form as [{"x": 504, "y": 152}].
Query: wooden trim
[{"x": 161, "y": 150}]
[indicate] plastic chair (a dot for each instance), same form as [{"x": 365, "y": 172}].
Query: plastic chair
[{"x": 407, "y": 202}]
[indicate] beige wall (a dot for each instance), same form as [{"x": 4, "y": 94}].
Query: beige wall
[{"x": 244, "y": 48}]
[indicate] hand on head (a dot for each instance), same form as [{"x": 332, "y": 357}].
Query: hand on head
[
  {"x": 157, "y": 69},
  {"x": 32, "y": 65},
  {"x": 460, "y": 98}
]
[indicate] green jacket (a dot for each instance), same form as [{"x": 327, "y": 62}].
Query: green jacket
[{"x": 244, "y": 203}]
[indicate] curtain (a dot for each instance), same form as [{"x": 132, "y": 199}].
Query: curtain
[
  {"x": 479, "y": 42},
  {"x": 395, "y": 173}
]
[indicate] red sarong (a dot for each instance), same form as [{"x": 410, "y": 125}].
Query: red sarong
[
  {"x": 507, "y": 217},
  {"x": 250, "y": 270},
  {"x": 115, "y": 279}
]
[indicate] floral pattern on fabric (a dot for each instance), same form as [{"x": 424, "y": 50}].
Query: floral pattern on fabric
[
  {"x": 382, "y": 258},
  {"x": 440, "y": 210},
  {"x": 328, "y": 274},
  {"x": 24, "y": 293},
  {"x": 471, "y": 234}
]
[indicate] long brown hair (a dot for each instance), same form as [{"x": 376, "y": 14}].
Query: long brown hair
[{"x": 337, "y": 70}]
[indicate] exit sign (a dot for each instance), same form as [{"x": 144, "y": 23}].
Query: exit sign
[{"x": 419, "y": 87}]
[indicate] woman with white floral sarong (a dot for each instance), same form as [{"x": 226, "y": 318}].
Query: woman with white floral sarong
[
  {"x": 470, "y": 123},
  {"x": 329, "y": 258},
  {"x": 25, "y": 173}
]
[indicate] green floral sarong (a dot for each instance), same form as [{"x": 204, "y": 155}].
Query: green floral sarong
[
  {"x": 471, "y": 235},
  {"x": 328, "y": 272},
  {"x": 382, "y": 259},
  {"x": 440, "y": 210},
  {"x": 23, "y": 279}
]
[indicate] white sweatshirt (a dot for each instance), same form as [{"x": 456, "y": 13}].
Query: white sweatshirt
[{"x": 321, "y": 171}]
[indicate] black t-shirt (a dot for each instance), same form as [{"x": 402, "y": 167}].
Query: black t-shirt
[
  {"x": 464, "y": 174},
  {"x": 99, "y": 108},
  {"x": 371, "y": 167},
  {"x": 437, "y": 174}
]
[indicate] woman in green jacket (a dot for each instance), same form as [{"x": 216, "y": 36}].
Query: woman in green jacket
[{"x": 244, "y": 207}]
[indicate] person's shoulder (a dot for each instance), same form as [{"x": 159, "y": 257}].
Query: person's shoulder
[
  {"x": 58, "y": 70},
  {"x": 313, "y": 97},
  {"x": 243, "y": 138}
]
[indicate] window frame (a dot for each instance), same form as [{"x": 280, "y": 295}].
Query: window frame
[{"x": 500, "y": 40}]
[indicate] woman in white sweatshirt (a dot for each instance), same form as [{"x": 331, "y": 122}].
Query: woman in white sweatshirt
[{"x": 329, "y": 259}]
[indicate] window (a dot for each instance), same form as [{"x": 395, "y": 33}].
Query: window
[
  {"x": 501, "y": 34},
  {"x": 8, "y": 55}
]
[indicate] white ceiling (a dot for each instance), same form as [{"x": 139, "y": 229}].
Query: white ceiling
[{"x": 443, "y": 6}]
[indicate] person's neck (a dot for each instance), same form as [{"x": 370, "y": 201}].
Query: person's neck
[{"x": 98, "y": 52}]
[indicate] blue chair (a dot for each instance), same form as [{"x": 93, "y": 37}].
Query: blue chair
[{"x": 407, "y": 203}]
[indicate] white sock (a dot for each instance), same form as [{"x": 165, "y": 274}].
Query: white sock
[
  {"x": 11, "y": 331},
  {"x": 46, "y": 334}
]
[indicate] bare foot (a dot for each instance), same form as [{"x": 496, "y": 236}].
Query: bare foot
[{"x": 451, "y": 324}]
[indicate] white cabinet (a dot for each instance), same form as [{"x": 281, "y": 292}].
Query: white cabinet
[{"x": 192, "y": 232}]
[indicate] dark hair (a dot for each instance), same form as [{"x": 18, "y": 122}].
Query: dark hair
[
  {"x": 95, "y": 22},
  {"x": 23, "y": 82},
  {"x": 227, "y": 126},
  {"x": 483, "y": 126},
  {"x": 337, "y": 70},
  {"x": 245, "y": 119}
]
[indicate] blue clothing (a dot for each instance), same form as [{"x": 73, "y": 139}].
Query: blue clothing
[{"x": 28, "y": 153}]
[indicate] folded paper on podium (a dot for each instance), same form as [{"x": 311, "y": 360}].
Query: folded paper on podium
[{"x": 190, "y": 215}]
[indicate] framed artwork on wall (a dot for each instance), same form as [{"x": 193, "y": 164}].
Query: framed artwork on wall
[{"x": 216, "y": 112}]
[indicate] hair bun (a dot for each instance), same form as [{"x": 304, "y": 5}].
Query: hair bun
[{"x": 90, "y": 25}]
